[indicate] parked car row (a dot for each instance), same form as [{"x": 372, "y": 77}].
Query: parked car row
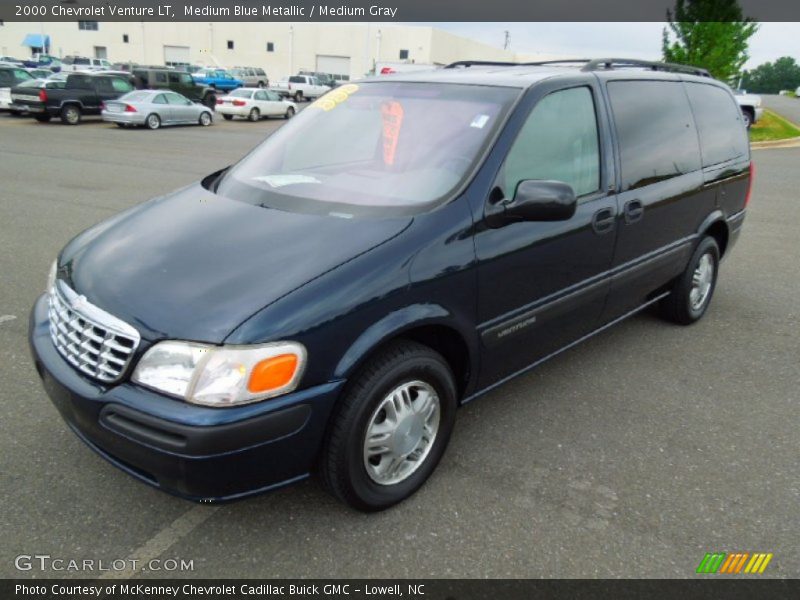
[{"x": 148, "y": 97}]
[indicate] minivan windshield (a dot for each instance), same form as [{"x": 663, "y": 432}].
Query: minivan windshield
[{"x": 374, "y": 145}]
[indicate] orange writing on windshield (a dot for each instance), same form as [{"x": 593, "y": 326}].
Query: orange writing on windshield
[{"x": 392, "y": 114}]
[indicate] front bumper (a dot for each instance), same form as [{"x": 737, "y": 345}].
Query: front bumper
[{"x": 200, "y": 453}]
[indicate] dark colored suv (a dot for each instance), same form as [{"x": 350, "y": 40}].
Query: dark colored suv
[
  {"x": 326, "y": 306},
  {"x": 177, "y": 81}
]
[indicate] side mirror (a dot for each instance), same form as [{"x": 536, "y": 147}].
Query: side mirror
[{"x": 535, "y": 200}]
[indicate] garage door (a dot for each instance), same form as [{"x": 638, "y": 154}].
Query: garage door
[
  {"x": 335, "y": 65},
  {"x": 176, "y": 55}
]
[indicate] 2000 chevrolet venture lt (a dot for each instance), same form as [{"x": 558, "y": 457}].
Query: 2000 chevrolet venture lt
[{"x": 403, "y": 246}]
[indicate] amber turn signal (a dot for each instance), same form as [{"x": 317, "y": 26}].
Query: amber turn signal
[{"x": 273, "y": 373}]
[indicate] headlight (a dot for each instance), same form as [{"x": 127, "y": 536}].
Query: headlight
[
  {"x": 222, "y": 375},
  {"x": 51, "y": 276}
]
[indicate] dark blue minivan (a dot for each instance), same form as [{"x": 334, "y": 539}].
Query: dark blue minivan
[{"x": 401, "y": 247}]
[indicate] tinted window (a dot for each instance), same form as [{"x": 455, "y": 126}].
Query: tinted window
[
  {"x": 657, "y": 138},
  {"x": 81, "y": 61},
  {"x": 103, "y": 84},
  {"x": 260, "y": 72},
  {"x": 161, "y": 78},
  {"x": 79, "y": 82},
  {"x": 297, "y": 79},
  {"x": 173, "y": 78},
  {"x": 558, "y": 141},
  {"x": 722, "y": 134}
]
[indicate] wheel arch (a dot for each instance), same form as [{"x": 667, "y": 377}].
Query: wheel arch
[
  {"x": 716, "y": 226},
  {"x": 429, "y": 324}
]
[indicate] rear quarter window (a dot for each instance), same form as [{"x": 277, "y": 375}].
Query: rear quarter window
[
  {"x": 655, "y": 130},
  {"x": 723, "y": 136}
]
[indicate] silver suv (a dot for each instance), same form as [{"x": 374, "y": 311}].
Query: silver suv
[{"x": 252, "y": 77}]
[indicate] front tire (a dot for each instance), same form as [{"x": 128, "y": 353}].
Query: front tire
[
  {"x": 205, "y": 119},
  {"x": 692, "y": 291},
  {"x": 255, "y": 115},
  {"x": 748, "y": 117},
  {"x": 391, "y": 428},
  {"x": 289, "y": 113}
]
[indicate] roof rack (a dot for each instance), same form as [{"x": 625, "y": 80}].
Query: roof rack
[
  {"x": 597, "y": 64},
  {"x": 480, "y": 63},
  {"x": 590, "y": 64}
]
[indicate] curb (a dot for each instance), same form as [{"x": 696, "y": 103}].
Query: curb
[{"x": 787, "y": 143}]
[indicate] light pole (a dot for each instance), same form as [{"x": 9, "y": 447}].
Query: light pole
[{"x": 291, "y": 50}]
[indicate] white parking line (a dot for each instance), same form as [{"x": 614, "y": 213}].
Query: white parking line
[
  {"x": 4, "y": 318},
  {"x": 163, "y": 540}
]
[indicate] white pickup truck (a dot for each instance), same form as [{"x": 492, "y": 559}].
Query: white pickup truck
[
  {"x": 750, "y": 104},
  {"x": 300, "y": 87}
]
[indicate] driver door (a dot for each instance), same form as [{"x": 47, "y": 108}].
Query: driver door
[{"x": 543, "y": 285}]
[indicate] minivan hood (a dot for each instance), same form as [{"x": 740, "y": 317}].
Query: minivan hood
[{"x": 194, "y": 265}]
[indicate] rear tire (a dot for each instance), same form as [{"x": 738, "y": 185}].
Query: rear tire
[
  {"x": 71, "y": 115},
  {"x": 153, "y": 121},
  {"x": 407, "y": 393},
  {"x": 692, "y": 291},
  {"x": 298, "y": 96},
  {"x": 747, "y": 117}
]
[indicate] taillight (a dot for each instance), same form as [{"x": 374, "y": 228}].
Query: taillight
[
  {"x": 102, "y": 106},
  {"x": 239, "y": 102},
  {"x": 42, "y": 95},
  {"x": 219, "y": 101},
  {"x": 129, "y": 108},
  {"x": 750, "y": 183}
]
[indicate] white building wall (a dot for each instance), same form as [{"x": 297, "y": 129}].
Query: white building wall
[{"x": 296, "y": 45}]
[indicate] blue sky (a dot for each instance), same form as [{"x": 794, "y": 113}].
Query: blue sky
[{"x": 625, "y": 40}]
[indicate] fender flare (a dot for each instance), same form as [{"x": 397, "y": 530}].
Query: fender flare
[
  {"x": 713, "y": 217},
  {"x": 395, "y": 323}
]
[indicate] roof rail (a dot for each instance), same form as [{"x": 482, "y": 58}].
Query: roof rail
[
  {"x": 480, "y": 63},
  {"x": 597, "y": 64},
  {"x": 590, "y": 64}
]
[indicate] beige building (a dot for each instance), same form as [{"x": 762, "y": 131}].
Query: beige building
[{"x": 281, "y": 49}]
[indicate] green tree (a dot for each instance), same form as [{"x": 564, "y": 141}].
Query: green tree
[
  {"x": 712, "y": 34},
  {"x": 771, "y": 78}
]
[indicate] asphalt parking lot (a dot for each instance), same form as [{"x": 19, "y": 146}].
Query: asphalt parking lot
[{"x": 631, "y": 455}]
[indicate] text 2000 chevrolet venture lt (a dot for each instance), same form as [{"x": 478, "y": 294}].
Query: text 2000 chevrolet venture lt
[{"x": 403, "y": 246}]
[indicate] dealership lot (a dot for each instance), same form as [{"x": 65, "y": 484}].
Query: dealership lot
[{"x": 631, "y": 455}]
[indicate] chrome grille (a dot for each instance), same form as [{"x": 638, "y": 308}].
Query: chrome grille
[{"x": 92, "y": 340}]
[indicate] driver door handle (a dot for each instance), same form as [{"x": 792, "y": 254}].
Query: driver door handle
[{"x": 603, "y": 221}]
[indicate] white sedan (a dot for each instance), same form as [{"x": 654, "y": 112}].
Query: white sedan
[{"x": 254, "y": 104}]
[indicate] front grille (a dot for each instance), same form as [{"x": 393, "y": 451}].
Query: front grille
[{"x": 92, "y": 340}]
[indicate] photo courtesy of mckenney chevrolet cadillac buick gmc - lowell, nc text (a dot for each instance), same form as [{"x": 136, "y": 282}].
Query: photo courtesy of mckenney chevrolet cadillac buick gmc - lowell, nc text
[{"x": 400, "y": 247}]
